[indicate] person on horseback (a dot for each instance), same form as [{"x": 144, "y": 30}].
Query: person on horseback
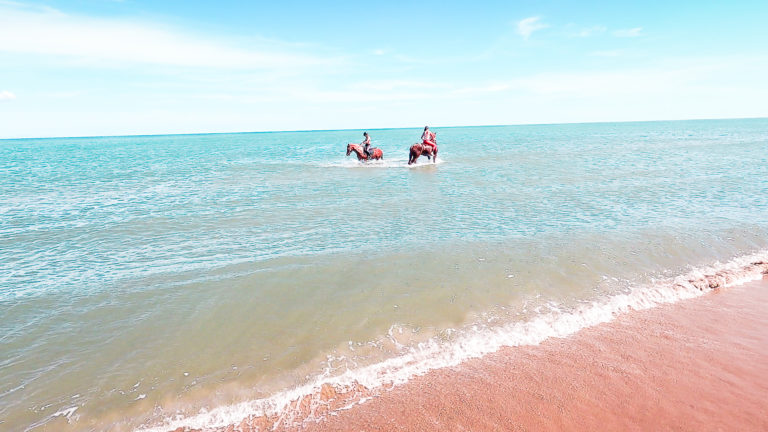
[
  {"x": 367, "y": 145},
  {"x": 428, "y": 138}
]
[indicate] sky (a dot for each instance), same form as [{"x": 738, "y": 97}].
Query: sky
[{"x": 127, "y": 67}]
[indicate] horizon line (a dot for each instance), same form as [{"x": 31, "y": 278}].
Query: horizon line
[{"x": 374, "y": 129}]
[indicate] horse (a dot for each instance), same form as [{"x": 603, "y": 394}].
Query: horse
[
  {"x": 419, "y": 149},
  {"x": 361, "y": 156}
]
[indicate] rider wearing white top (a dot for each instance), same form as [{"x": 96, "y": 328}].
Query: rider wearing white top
[{"x": 428, "y": 138}]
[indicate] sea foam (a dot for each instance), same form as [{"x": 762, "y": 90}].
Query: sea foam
[{"x": 310, "y": 402}]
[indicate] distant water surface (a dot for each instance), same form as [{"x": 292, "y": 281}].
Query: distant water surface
[{"x": 144, "y": 278}]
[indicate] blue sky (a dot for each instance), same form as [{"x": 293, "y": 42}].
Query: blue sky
[{"x": 100, "y": 67}]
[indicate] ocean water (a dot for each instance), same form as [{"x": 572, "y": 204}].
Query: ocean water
[{"x": 152, "y": 282}]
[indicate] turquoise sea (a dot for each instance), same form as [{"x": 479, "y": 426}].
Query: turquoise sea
[{"x": 188, "y": 280}]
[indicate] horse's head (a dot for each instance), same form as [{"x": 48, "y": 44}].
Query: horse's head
[{"x": 349, "y": 148}]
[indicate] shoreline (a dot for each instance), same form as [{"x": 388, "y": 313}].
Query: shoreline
[{"x": 695, "y": 364}]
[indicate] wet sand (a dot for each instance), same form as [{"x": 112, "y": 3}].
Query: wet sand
[{"x": 700, "y": 364}]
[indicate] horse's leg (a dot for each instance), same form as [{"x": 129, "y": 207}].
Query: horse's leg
[{"x": 434, "y": 157}]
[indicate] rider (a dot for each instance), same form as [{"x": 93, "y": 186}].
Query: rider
[
  {"x": 428, "y": 138},
  {"x": 367, "y": 145}
]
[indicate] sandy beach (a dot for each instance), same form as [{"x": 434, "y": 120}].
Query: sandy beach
[{"x": 695, "y": 365}]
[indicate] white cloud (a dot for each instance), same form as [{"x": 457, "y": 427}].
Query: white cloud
[
  {"x": 590, "y": 31},
  {"x": 633, "y": 32},
  {"x": 12, "y": 3},
  {"x": 527, "y": 26},
  {"x": 621, "y": 82},
  {"x": 378, "y": 52},
  {"x": 489, "y": 88},
  {"x": 389, "y": 85},
  {"x": 49, "y": 33},
  {"x": 5, "y": 95},
  {"x": 684, "y": 76},
  {"x": 608, "y": 53},
  {"x": 64, "y": 94},
  {"x": 344, "y": 96},
  {"x": 677, "y": 88}
]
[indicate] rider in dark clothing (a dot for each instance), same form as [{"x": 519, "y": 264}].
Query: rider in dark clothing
[{"x": 367, "y": 145}]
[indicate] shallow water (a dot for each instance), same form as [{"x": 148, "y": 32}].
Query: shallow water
[{"x": 144, "y": 277}]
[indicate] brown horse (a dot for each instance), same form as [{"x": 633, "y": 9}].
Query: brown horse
[
  {"x": 421, "y": 149},
  {"x": 361, "y": 156}
]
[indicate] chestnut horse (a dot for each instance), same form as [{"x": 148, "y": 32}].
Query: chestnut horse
[
  {"x": 421, "y": 149},
  {"x": 361, "y": 156}
]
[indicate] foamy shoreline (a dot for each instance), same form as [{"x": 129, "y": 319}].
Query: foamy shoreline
[
  {"x": 327, "y": 398},
  {"x": 694, "y": 365}
]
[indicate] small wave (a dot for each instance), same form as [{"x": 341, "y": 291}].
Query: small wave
[
  {"x": 387, "y": 163},
  {"x": 347, "y": 162},
  {"x": 327, "y": 394},
  {"x": 65, "y": 412}
]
